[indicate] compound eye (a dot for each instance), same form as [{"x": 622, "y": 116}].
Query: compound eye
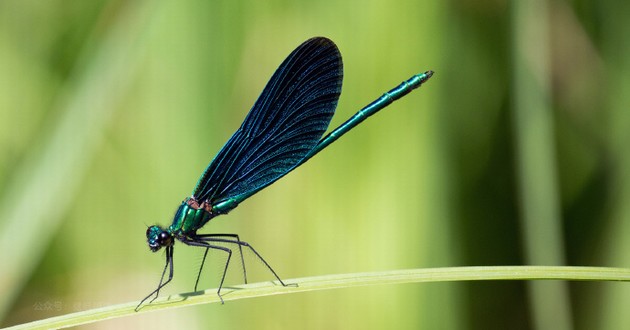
[{"x": 164, "y": 238}]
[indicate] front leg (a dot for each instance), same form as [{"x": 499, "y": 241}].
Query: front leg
[{"x": 169, "y": 262}]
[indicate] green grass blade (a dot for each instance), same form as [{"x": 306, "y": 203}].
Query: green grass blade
[{"x": 328, "y": 282}]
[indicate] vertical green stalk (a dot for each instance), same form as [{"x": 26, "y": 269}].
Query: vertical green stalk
[
  {"x": 43, "y": 189},
  {"x": 616, "y": 50},
  {"x": 535, "y": 154}
]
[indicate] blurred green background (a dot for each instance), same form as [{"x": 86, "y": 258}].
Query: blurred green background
[{"x": 514, "y": 153}]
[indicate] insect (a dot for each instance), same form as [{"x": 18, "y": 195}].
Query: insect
[{"x": 282, "y": 131}]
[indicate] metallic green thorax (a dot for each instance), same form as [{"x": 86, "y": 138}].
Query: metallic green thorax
[{"x": 190, "y": 216}]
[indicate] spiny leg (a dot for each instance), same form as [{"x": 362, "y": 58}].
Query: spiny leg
[
  {"x": 239, "y": 242},
  {"x": 227, "y": 263},
  {"x": 169, "y": 261},
  {"x": 240, "y": 249}
]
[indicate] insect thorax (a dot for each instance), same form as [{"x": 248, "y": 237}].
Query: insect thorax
[{"x": 190, "y": 216}]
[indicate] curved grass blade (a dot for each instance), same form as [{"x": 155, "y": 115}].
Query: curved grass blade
[{"x": 338, "y": 281}]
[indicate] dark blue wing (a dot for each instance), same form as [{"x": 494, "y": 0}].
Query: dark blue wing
[{"x": 286, "y": 122}]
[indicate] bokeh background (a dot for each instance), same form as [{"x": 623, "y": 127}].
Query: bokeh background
[{"x": 514, "y": 153}]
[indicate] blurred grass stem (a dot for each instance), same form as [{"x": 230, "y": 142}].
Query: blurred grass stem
[
  {"x": 44, "y": 188},
  {"x": 535, "y": 150}
]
